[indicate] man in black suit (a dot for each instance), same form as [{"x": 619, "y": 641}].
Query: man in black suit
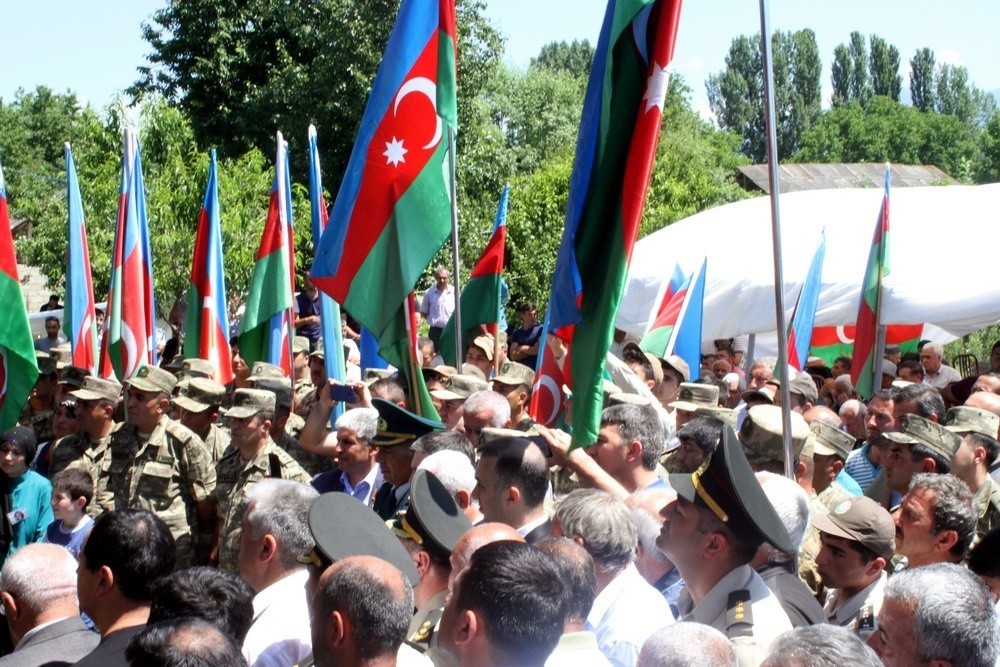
[
  {"x": 511, "y": 481},
  {"x": 38, "y": 590}
]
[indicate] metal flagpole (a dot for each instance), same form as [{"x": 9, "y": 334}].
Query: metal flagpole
[
  {"x": 779, "y": 282},
  {"x": 457, "y": 314}
]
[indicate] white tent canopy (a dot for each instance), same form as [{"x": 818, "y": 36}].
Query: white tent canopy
[{"x": 941, "y": 241}]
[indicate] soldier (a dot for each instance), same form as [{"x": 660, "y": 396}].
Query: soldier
[
  {"x": 514, "y": 382},
  {"x": 396, "y": 431},
  {"x": 972, "y": 460},
  {"x": 301, "y": 375},
  {"x": 281, "y": 387},
  {"x": 160, "y": 465},
  {"x": 87, "y": 449},
  {"x": 711, "y": 532},
  {"x": 254, "y": 457},
  {"x": 317, "y": 375},
  {"x": 41, "y": 404},
  {"x": 199, "y": 402},
  {"x": 690, "y": 397},
  {"x": 830, "y": 450},
  {"x": 429, "y": 531}
]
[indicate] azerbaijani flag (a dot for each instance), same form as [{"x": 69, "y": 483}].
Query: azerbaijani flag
[
  {"x": 207, "y": 325},
  {"x": 329, "y": 317},
  {"x": 866, "y": 369},
  {"x": 616, "y": 146},
  {"x": 78, "y": 316},
  {"x": 670, "y": 299},
  {"x": 677, "y": 327},
  {"x": 828, "y": 343},
  {"x": 393, "y": 210},
  {"x": 481, "y": 296},
  {"x": 800, "y": 329},
  {"x": 129, "y": 340},
  {"x": 267, "y": 321},
  {"x": 18, "y": 368}
]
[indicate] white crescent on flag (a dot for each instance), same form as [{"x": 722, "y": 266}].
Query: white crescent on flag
[{"x": 426, "y": 87}]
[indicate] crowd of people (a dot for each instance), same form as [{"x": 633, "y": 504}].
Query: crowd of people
[{"x": 171, "y": 520}]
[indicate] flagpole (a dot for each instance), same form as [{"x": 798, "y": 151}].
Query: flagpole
[
  {"x": 454, "y": 248},
  {"x": 779, "y": 281}
]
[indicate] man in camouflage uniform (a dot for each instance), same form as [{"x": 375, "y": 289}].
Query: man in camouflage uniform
[
  {"x": 830, "y": 451},
  {"x": 87, "y": 449},
  {"x": 160, "y": 465},
  {"x": 971, "y": 462},
  {"x": 253, "y": 458},
  {"x": 514, "y": 382},
  {"x": 281, "y": 387},
  {"x": 301, "y": 375},
  {"x": 317, "y": 374},
  {"x": 41, "y": 404},
  {"x": 199, "y": 400}
]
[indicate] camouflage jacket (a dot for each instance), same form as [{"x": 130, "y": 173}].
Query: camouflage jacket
[
  {"x": 78, "y": 451},
  {"x": 987, "y": 504},
  {"x": 38, "y": 421}
]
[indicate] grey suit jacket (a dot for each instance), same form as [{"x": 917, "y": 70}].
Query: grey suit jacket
[{"x": 62, "y": 643}]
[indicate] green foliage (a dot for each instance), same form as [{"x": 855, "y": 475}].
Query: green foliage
[
  {"x": 736, "y": 95},
  {"x": 574, "y": 58},
  {"x": 922, "y": 79},
  {"x": 884, "y": 65},
  {"x": 988, "y": 167}
]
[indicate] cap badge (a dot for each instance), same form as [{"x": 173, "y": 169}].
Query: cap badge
[{"x": 842, "y": 507}]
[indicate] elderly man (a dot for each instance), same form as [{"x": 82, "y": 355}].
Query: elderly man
[
  {"x": 627, "y": 609},
  {"x": 38, "y": 590},
  {"x": 859, "y": 540},
  {"x": 254, "y": 457},
  {"x": 711, "y": 533},
  {"x": 512, "y": 479},
  {"x": 275, "y": 533},
  {"x": 357, "y": 473},
  {"x": 458, "y": 475},
  {"x": 936, "y": 521},
  {"x": 160, "y": 465},
  {"x": 936, "y": 373},
  {"x": 484, "y": 409},
  {"x": 936, "y": 615},
  {"x": 438, "y": 304}
]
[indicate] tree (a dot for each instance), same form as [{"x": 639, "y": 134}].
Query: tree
[
  {"x": 736, "y": 95},
  {"x": 988, "y": 168},
  {"x": 572, "y": 58},
  {"x": 884, "y": 67},
  {"x": 850, "y": 73},
  {"x": 922, "y": 79},
  {"x": 840, "y": 75},
  {"x": 861, "y": 89}
]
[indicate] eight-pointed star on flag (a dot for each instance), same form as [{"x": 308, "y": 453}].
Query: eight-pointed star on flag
[
  {"x": 656, "y": 87},
  {"x": 394, "y": 152}
]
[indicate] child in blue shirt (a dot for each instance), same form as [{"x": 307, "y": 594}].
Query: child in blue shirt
[{"x": 72, "y": 491}]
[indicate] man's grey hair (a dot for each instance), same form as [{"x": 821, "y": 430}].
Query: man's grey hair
[
  {"x": 647, "y": 529},
  {"x": 605, "y": 525},
  {"x": 953, "y": 614},
  {"x": 489, "y": 400},
  {"x": 363, "y": 421},
  {"x": 765, "y": 362},
  {"x": 687, "y": 644},
  {"x": 39, "y": 575},
  {"x": 281, "y": 508},
  {"x": 953, "y": 507},
  {"x": 452, "y": 468},
  {"x": 934, "y": 348},
  {"x": 852, "y": 407},
  {"x": 792, "y": 505},
  {"x": 821, "y": 646},
  {"x": 843, "y": 383},
  {"x": 640, "y": 423}
]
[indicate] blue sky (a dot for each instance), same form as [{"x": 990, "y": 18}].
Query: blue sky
[{"x": 94, "y": 48}]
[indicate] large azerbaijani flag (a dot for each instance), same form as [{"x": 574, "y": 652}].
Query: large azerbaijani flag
[
  {"x": 206, "y": 327},
  {"x": 616, "y": 146},
  {"x": 393, "y": 210},
  {"x": 18, "y": 368},
  {"x": 78, "y": 316},
  {"x": 129, "y": 340},
  {"x": 800, "y": 329},
  {"x": 267, "y": 318},
  {"x": 676, "y": 329},
  {"x": 329, "y": 317},
  {"x": 828, "y": 343},
  {"x": 866, "y": 369},
  {"x": 481, "y": 298}
]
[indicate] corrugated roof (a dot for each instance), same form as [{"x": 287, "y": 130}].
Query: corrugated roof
[{"x": 796, "y": 177}]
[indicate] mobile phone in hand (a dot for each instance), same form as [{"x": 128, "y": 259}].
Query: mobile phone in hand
[{"x": 344, "y": 393}]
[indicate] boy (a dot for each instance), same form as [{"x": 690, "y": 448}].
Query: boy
[{"x": 72, "y": 491}]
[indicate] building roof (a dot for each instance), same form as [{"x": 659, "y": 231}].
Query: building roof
[{"x": 796, "y": 177}]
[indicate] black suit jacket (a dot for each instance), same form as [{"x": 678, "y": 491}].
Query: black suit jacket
[
  {"x": 62, "y": 643},
  {"x": 539, "y": 532}
]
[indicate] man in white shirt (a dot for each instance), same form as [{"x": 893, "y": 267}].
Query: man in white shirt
[
  {"x": 357, "y": 473},
  {"x": 275, "y": 533},
  {"x": 438, "y": 304},
  {"x": 936, "y": 374}
]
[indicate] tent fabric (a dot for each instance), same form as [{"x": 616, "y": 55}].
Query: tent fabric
[{"x": 940, "y": 240}]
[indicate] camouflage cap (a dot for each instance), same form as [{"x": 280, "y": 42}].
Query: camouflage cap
[
  {"x": 262, "y": 369},
  {"x": 197, "y": 368},
  {"x": 300, "y": 345},
  {"x": 964, "y": 419},
  {"x": 831, "y": 441},
  {"x": 489, "y": 434},
  {"x": 98, "y": 389},
  {"x": 724, "y": 415},
  {"x": 863, "y": 520},
  {"x": 376, "y": 374},
  {"x": 484, "y": 343},
  {"x": 515, "y": 374},
  {"x": 803, "y": 385},
  {"x": 199, "y": 394},
  {"x": 280, "y": 387},
  {"x": 763, "y": 394},
  {"x": 761, "y": 434},
  {"x": 693, "y": 396},
  {"x": 73, "y": 376},
  {"x": 175, "y": 365},
  {"x": 624, "y": 398},
  {"x": 248, "y": 402},
  {"x": 152, "y": 378},
  {"x": 920, "y": 431},
  {"x": 46, "y": 364},
  {"x": 475, "y": 371},
  {"x": 62, "y": 354},
  {"x": 459, "y": 387}
]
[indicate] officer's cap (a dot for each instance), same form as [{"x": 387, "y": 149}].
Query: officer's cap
[
  {"x": 397, "y": 426},
  {"x": 433, "y": 519}
]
